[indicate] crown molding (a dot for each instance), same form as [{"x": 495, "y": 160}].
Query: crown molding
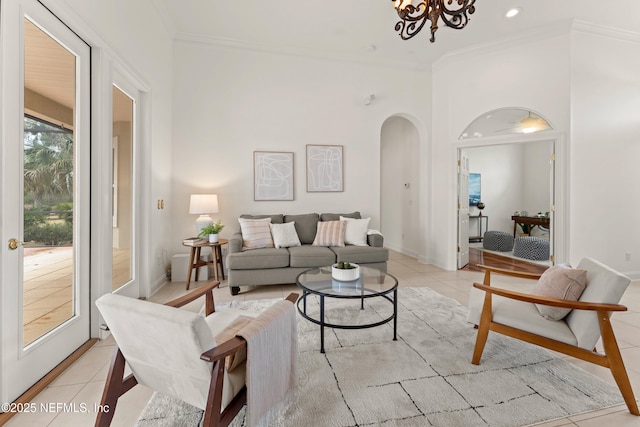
[
  {"x": 604, "y": 31},
  {"x": 541, "y": 33},
  {"x": 534, "y": 35},
  {"x": 364, "y": 58}
]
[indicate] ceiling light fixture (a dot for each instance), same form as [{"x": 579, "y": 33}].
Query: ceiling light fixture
[
  {"x": 512, "y": 12},
  {"x": 413, "y": 17},
  {"x": 533, "y": 124}
]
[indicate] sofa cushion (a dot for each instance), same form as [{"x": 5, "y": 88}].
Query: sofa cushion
[
  {"x": 275, "y": 219},
  {"x": 336, "y": 216},
  {"x": 330, "y": 233},
  {"x": 355, "y": 232},
  {"x": 258, "y": 259},
  {"x": 306, "y": 225},
  {"x": 255, "y": 233},
  {"x": 311, "y": 256},
  {"x": 361, "y": 254}
]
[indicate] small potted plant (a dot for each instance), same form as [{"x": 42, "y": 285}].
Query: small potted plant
[
  {"x": 345, "y": 271},
  {"x": 212, "y": 231}
]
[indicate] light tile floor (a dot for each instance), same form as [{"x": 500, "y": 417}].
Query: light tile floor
[{"x": 82, "y": 383}]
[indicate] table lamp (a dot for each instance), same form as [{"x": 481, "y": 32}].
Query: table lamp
[{"x": 203, "y": 205}]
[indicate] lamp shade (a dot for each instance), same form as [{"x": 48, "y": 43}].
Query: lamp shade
[{"x": 203, "y": 204}]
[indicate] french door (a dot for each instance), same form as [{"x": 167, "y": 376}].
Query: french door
[
  {"x": 45, "y": 199},
  {"x": 463, "y": 209}
]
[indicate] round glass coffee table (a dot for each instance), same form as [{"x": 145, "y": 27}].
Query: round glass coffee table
[{"x": 372, "y": 283}]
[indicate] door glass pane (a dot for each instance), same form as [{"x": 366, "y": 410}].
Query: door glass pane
[
  {"x": 122, "y": 188},
  {"x": 48, "y": 184}
]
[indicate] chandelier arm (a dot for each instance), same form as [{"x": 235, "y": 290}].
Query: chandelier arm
[
  {"x": 413, "y": 18},
  {"x": 457, "y": 18}
]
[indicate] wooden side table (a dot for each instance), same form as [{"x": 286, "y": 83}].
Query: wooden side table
[{"x": 196, "y": 262}]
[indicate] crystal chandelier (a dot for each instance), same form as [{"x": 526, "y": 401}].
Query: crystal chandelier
[{"x": 413, "y": 17}]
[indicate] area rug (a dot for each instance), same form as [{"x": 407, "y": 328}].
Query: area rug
[{"x": 425, "y": 378}]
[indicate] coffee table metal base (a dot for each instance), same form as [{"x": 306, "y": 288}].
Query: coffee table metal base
[{"x": 321, "y": 321}]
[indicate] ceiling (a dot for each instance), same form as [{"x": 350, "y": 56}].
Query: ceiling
[
  {"x": 361, "y": 30},
  {"x": 364, "y": 29}
]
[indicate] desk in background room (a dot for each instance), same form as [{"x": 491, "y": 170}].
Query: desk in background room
[{"x": 533, "y": 220}]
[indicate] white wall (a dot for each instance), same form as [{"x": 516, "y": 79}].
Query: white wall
[
  {"x": 605, "y": 148},
  {"x": 137, "y": 45},
  {"x": 501, "y": 183},
  {"x": 229, "y": 103},
  {"x": 537, "y": 176},
  {"x": 514, "y": 177},
  {"x": 400, "y": 185}
]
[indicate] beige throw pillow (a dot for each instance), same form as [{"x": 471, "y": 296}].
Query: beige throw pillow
[
  {"x": 560, "y": 282},
  {"x": 255, "y": 233},
  {"x": 330, "y": 233},
  {"x": 284, "y": 235}
]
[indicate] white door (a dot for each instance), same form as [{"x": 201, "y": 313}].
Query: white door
[
  {"x": 45, "y": 194},
  {"x": 552, "y": 202},
  {"x": 463, "y": 209}
]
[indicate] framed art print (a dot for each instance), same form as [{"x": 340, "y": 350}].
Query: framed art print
[
  {"x": 324, "y": 168},
  {"x": 273, "y": 175}
]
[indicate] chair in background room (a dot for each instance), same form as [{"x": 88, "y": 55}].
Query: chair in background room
[
  {"x": 577, "y": 325},
  {"x": 175, "y": 352}
]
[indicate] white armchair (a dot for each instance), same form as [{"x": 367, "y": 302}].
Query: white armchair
[
  {"x": 515, "y": 314},
  {"x": 175, "y": 352}
]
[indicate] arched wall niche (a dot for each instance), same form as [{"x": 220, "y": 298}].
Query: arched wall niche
[
  {"x": 402, "y": 184},
  {"x": 506, "y": 121}
]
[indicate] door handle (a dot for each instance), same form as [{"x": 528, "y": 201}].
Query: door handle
[{"x": 13, "y": 244}]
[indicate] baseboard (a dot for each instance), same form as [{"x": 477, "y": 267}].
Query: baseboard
[
  {"x": 402, "y": 250},
  {"x": 633, "y": 275}
]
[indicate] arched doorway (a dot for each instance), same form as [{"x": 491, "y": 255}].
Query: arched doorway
[
  {"x": 400, "y": 185},
  {"x": 513, "y": 174}
]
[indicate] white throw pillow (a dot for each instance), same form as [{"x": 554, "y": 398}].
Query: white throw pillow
[
  {"x": 255, "y": 233},
  {"x": 284, "y": 235},
  {"x": 356, "y": 231}
]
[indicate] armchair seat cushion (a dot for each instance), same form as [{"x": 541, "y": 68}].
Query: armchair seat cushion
[{"x": 520, "y": 315}]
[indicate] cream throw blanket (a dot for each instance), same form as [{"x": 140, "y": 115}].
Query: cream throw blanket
[{"x": 272, "y": 349}]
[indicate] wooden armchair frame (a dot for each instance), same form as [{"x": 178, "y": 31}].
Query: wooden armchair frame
[
  {"x": 611, "y": 359},
  {"x": 116, "y": 385}
]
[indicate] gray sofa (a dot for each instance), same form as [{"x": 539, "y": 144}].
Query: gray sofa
[{"x": 271, "y": 266}]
